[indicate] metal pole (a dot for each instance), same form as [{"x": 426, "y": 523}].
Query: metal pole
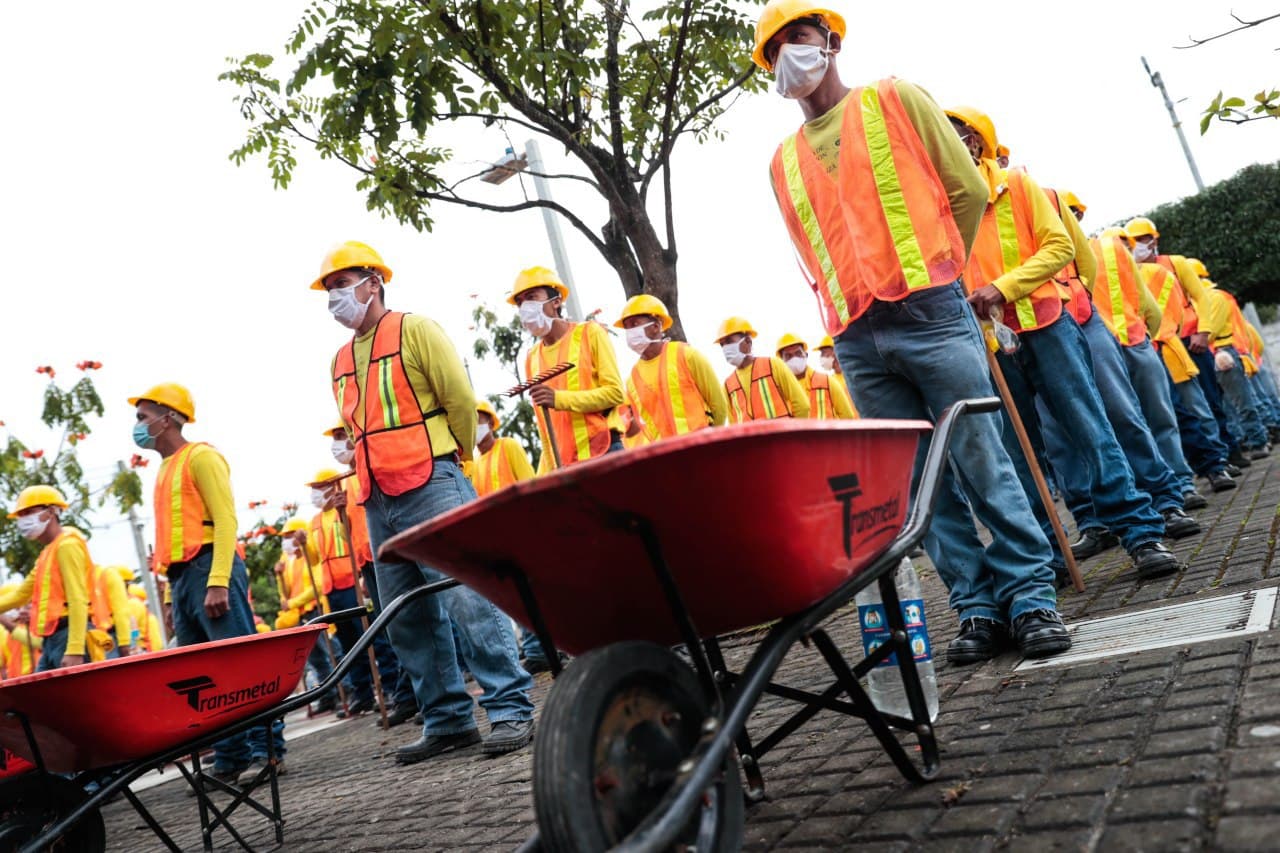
[
  {"x": 148, "y": 581},
  {"x": 1158, "y": 82},
  {"x": 542, "y": 187}
]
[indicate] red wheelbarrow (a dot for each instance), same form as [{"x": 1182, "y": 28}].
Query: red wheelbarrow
[
  {"x": 620, "y": 558},
  {"x": 102, "y": 725}
]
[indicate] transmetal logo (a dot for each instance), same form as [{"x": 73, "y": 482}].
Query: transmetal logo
[
  {"x": 200, "y": 698},
  {"x": 868, "y": 520}
]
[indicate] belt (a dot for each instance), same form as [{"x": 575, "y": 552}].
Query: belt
[
  {"x": 60, "y": 625},
  {"x": 447, "y": 457}
]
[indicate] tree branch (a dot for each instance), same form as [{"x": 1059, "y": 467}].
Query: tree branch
[
  {"x": 1244, "y": 25},
  {"x": 528, "y": 204},
  {"x": 613, "y": 27}
]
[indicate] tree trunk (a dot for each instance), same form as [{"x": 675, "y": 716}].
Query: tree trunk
[{"x": 643, "y": 264}]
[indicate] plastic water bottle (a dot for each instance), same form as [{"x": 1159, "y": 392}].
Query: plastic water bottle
[{"x": 884, "y": 682}]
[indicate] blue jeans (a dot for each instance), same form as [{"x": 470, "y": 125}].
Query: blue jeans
[
  {"x": 1053, "y": 363},
  {"x": 1151, "y": 473},
  {"x": 1200, "y": 430},
  {"x": 532, "y": 646},
  {"x": 914, "y": 359},
  {"x": 423, "y": 632},
  {"x": 1266, "y": 384},
  {"x": 51, "y": 652},
  {"x": 359, "y": 679},
  {"x": 1240, "y": 402},
  {"x": 188, "y": 585},
  {"x": 323, "y": 655},
  {"x": 397, "y": 687},
  {"x": 1151, "y": 385},
  {"x": 1213, "y": 399}
]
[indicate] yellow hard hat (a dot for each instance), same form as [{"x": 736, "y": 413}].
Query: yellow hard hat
[
  {"x": 788, "y": 340},
  {"x": 825, "y": 342},
  {"x": 1073, "y": 200},
  {"x": 778, "y": 13},
  {"x": 981, "y": 122},
  {"x": 733, "y": 326},
  {"x": 1116, "y": 231},
  {"x": 126, "y": 574},
  {"x": 288, "y": 619},
  {"x": 294, "y": 524},
  {"x": 38, "y": 496},
  {"x": 324, "y": 476},
  {"x": 1002, "y": 150},
  {"x": 1199, "y": 267},
  {"x": 262, "y": 628},
  {"x": 137, "y": 591},
  {"x": 349, "y": 255},
  {"x": 645, "y": 304},
  {"x": 1141, "y": 226},
  {"x": 338, "y": 426},
  {"x": 536, "y": 277},
  {"x": 483, "y": 406},
  {"x": 171, "y": 395}
]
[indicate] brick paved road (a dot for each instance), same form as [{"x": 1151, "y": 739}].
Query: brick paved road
[{"x": 1171, "y": 749}]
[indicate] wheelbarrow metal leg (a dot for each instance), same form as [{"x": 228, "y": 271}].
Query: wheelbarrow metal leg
[
  {"x": 150, "y": 820},
  {"x": 531, "y": 607},
  {"x": 748, "y": 756}
]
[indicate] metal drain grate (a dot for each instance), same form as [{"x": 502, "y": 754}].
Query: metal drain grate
[{"x": 1176, "y": 625}]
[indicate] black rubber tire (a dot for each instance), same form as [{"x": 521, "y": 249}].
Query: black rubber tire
[
  {"x": 574, "y": 815},
  {"x": 31, "y": 803}
]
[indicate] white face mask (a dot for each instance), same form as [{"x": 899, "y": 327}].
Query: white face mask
[
  {"x": 638, "y": 338},
  {"x": 482, "y": 430},
  {"x": 534, "y": 318},
  {"x": 343, "y": 451},
  {"x": 290, "y": 547},
  {"x": 733, "y": 353},
  {"x": 345, "y": 308},
  {"x": 31, "y": 526},
  {"x": 318, "y": 498},
  {"x": 1144, "y": 251},
  {"x": 828, "y": 362},
  {"x": 799, "y": 69},
  {"x": 798, "y": 364}
]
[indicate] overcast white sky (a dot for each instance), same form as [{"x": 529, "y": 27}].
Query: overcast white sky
[{"x": 131, "y": 239}]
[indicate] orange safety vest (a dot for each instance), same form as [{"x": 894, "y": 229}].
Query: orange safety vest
[
  {"x": 1116, "y": 292},
  {"x": 1239, "y": 333},
  {"x": 359, "y": 524},
  {"x": 386, "y": 425},
  {"x": 1173, "y": 302},
  {"x": 881, "y": 228},
  {"x": 580, "y": 435},
  {"x": 1080, "y": 304},
  {"x": 22, "y": 657},
  {"x": 100, "y": 613},
  {"x": 1005, "y": 240},
  {"x": 180, "y": 520},
  {"x": 493, "y": 469},
  {"x": 48, "y": 598},
  {"x": 821, "y": 405},
  {"x": 766, "y": 400},
  {"x": 298, "y": 576},
  {"x": 675, "y": 406},
  {"x": 1190, "y": 319},
  {"x": 335, "y": 551}
]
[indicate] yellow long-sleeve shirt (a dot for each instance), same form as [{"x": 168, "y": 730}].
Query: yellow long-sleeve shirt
[
  {"x": 966, "y": 191},
  {"x": 149, "y": 638},
  {"x": 796, "y": 397},
  {"x": 1086, "y": 263},
  {"x": 606, "y": 395},
  {"x": 508, "y": 447},
  {"x": 300, "y": 582},
  {"x": 1215, "y": 315},
  {"x": 840, "y": 400},
  {"x": 1054, "y": 247},
  {"x": 704, "y": 379},
  {"x": 438, "y": 378},
  {"x": 71, "y": 561},
  {"x": 118, "y": 602}
]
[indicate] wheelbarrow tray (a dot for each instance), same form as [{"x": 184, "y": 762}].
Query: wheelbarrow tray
[
  {"x": 106, "y": 713},
  {"x": 755, "y": 522}
]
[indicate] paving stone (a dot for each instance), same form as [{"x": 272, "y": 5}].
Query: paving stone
[
  {"x": 1247, "y": 833},
  {"x": 1061, "y": 840},
  {"x": 895, "y": 824},
  {"x": 1255, "y": 761},
  {"x": 1087, "y": 780},
  {"x": 1190, "y": 718},
  {"x": 974, "y": 819},
  {"x": 1156, "y": 837},
  {"x": 1251, "y": 795},
  {"x": 1159, "y": 801},
  {"x": 1002, "y": 788},
  {"x": 1184, "y": 768},
  {"x": 1109, "y": 730},
  {"x": 1186, "y": 741},
  {"x": 1056, "y": 812}
]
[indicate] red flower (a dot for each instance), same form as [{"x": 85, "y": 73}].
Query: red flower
[
  {"x": 137, "y": 461},
  {"x": 89, "y": 365},
  {"x": 32, "y": 454},
  {"x": 46, "y": 369}
]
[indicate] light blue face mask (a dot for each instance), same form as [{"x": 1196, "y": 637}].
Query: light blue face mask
[{"x": 142, "y": 435}]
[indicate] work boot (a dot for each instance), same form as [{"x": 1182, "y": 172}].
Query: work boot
[
  {"x": 1179, "y": 525},
  {"x": 1153, "y": 559},
  {"x": 979, "y": 639},
  {"x": 1257, "y": 453},
  {"x": 1220, "y": 481},
  {"x": 1231, "y": 470},
  {"x": 255, "y": 767},
  {"x": 401, "y": 714},
  {"x": 508, "y": 736},
  {"x": 1041, "y": 633},
  {"x": 1238, "y": 459},
  {"x": 429, "y": 746},
  {"x": 324, "y": 705},
  {"x": 1194, "y": 500},
  {"x": 363, "y": 706},
  {"x": 1093, "y": 541}
]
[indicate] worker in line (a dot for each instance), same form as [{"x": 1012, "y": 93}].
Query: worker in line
[
  {"x": 150, "y": 638},
  {"x": 673, "y": 388},
  {"x": 831, "y": 365},
  {"x": 57, "y": 589},
  {"x": 1022, "y": 243},
  {"x": 396, "y": 684},
  {"x": 1265, "y": 387},
  {"x": 581, "y": 402},
  {"x": 1254, "y": 425},
  {"x": 109, "y": 610},
  {"x": 828, "y": 400},
  {"x": 19, "y": 650},
  {"x": 305, "y": 584},
  {"x": 890, "y": 296},
  {"x": 408, "y": 407},
  {"x": 195, "y": 549},
  {"x": 759, "y": 388}
]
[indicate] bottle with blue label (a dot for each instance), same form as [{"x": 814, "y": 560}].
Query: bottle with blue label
[{"x": 884, "y": 683}]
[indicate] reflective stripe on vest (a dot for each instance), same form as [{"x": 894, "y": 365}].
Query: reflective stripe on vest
[
  {"x": 100, "y": 599},
  {"x": 493, "y": 469},
  {"x": 580, "y": 435},
  {"x": 675, "y": 406},
  {"x": 180, "y": 521},
  {"x": 331, "y": 541},
  {"x": 882, "y": 227},
  {"x": 765, "y": 401},
  {"x": 1117, "y": 292},
  {"x": 1190, "y": 319},
  {"x": 821, "y": 406},
  {"x": 1005, "y": 239},
  {"x": 1168, "y": 295},
  {"x": 385, "y": 423},
  {"x": 1079, "y": 303},
  {"x": 48, "y": 597}
]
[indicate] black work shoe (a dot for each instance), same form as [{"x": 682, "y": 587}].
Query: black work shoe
[
  {"x": 1178, "y": 525},
  {"x": 323, "y": 706},
  {"x": 1041, "y": 633},
  {"x": 1256, "y": 453},
  {"x": 1153, "y": 559},
  {"x": 429, "y": 746},
  {"x": 508, "y": 736},
  {"x": 355, "y": 709},
  {"x": 1095, "y": 540},
  {"x": 401, "y": 714},
  {"x": 1231, "y": 470},
  {"x": 1238, "y": 459},
  {"x": 1220, "y": 481},
  {"x": 533, "y": 666},
  {"x": 1194, "y": 500},
  {"x": 979, "y": 639},
  {"x": 250, "y": 775}
]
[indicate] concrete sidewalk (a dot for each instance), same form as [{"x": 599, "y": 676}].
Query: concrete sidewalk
[{"x": 1169, "y": 749}]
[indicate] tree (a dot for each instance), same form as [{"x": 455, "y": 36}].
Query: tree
[
  {"x": 504, "y": 341},
  {"x": 1231, "y": 226},
  {"x": 1234, "y": 109},
  {"x": 262, "y": 551},
  {"x": 68, "y": 412},
  {"x": 615, "y": 90}
]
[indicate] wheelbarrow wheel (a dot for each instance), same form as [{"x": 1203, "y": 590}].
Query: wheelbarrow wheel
[
  {"x": 31, "y": 803},
  {"x": 617, "y": 724}
]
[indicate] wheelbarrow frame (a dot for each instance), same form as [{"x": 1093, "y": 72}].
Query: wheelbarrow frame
[
  {"x": 117, "y": 778},
  {"x": 732, "y": 696}
]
